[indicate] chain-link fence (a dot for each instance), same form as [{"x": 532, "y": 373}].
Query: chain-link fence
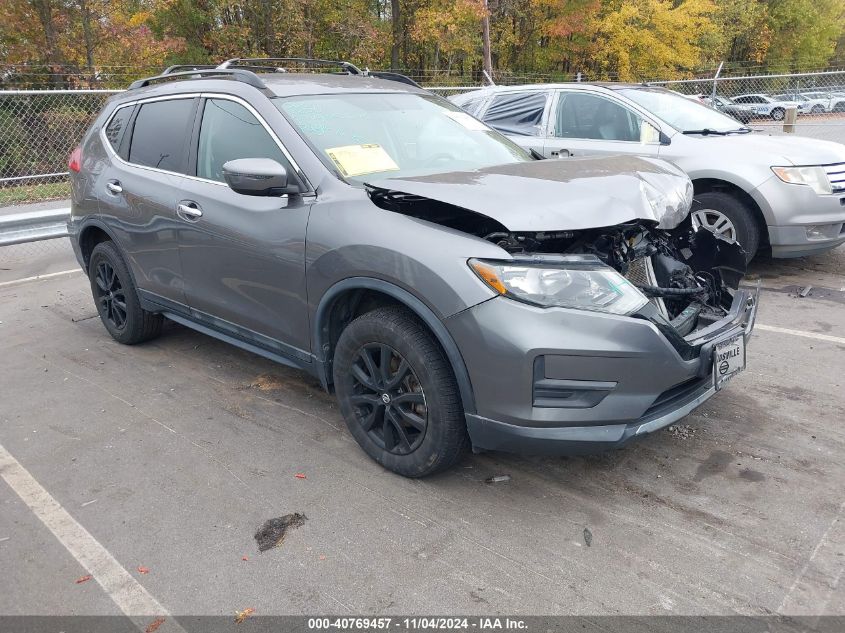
[
  {"x": 39, "y": 128},
  {"x": 764, "y": 101}
]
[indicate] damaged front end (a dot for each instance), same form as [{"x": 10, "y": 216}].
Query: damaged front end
[
  {"x": 689, "y": 277},
  {"x": 656, "y": 265}
]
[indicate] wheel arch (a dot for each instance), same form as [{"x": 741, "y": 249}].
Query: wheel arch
[
  {"x": 705, "y": 185},
  {"x": 353, "y": 296},
  {"x": 91, "y": 234}
]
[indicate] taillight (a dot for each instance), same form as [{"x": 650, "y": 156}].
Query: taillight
[{"x": 74, "y": 163}]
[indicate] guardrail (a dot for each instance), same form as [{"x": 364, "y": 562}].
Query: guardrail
[{"x": 34, "y": 226}]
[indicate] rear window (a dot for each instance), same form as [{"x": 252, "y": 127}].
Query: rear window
[
  {"x": 160, "y": 134},
  {"x": 518, "y": 113},
  {"x": 116, "y": 126}
]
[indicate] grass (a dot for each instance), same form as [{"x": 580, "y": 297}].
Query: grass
[{"x": 21, "y": 194}]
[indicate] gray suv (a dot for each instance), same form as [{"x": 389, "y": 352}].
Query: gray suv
[{"x": 451, "y": 288}]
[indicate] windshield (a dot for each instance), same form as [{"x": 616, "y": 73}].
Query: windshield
[
  {"x": 681, "y": 113},
  {"x": 364, "y": 137}
]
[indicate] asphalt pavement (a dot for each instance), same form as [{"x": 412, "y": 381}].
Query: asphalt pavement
[{"x": 171, "y": 454}]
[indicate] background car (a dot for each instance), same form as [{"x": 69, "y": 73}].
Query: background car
[
  {"x": 741, "y": 113},
  {"x": 805, "y": 104},
  {"x": 832, "y": 101},
  {"x": 765, "y": 106},
  {"x": 748, "y": 186}
]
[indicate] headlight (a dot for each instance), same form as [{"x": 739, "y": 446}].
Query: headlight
[
  {"x": 581, "y": 282},
  {"x": 814, "y": 177}
]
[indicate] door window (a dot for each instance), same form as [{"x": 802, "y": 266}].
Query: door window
[
  {"x": 583, "y": 115},
  {"x": 229, "y": 131},
  {"x": 518, "y": 113},
  {"x": 161, "y": 133}
]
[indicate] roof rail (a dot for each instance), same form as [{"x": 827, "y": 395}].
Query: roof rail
[
  {"x": 179, "y": 67},
  {"x": 268, "y": 63},
  {"x": 237, "y": 74},
  {"x": 391, "y": 76}
]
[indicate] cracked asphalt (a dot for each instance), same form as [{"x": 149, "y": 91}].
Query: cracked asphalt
[{"x": 172, "y": 454}]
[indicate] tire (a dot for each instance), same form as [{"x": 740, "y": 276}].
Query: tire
[
  {"x": 839, "y": 107},
  {"x": 378, "y": 413},
  {"x": 778, "y": 114},
  {"x": 117, "y": 299},
  {"x": 745, "y": 228},
  {"x": 817, "y": 109}
]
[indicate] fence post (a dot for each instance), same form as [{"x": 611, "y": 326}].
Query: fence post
[
  {"x": 715, "y": 78},
  {"x": 789, "y": 119}
]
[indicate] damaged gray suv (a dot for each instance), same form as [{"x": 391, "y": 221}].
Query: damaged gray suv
[{"x": 453, "y": 290}]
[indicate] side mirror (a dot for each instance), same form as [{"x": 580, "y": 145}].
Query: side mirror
[{"x": 257, "y": 177}]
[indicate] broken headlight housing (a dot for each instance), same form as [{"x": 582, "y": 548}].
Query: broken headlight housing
[{"x": 582, "y": 282}]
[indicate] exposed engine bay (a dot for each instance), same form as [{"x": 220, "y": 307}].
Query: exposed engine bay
[{"x": 688, "y": 275}]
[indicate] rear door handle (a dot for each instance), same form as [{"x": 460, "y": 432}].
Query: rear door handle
[
  {"x": 114, "y": 186},
  {"x": 189, "y": 210}
]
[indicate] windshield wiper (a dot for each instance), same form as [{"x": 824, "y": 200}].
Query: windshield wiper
[{"x": 705, "y": 132}]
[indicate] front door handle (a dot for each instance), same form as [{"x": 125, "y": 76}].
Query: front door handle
[
  {"x": 189, "y": 211},
  {"x": 560, "y": 153},
  {"x": 114, "y": 186}
]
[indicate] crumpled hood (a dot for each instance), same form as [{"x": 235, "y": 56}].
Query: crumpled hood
[
  {"x": 561, "y": 195},
  {"x": 780, "y": 150}
]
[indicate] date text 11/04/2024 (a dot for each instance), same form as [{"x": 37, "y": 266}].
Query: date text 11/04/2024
[{"x": 417, "y": 624}]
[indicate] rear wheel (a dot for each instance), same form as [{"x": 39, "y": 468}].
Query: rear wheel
[
  {"x": 727, "y": 217},
  {"x": 398, "y": 394},
  {"x": 116, "y": 298},
  {"x": 778, "y": 114}
]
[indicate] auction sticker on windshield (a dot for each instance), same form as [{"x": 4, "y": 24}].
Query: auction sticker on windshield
[
  {"x": 357, "y": 160},
  {"x": 728, "y": 359}
]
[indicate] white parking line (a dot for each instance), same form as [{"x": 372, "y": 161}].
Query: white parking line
[
  {"x": 15, "y": 282},
  {"x": 813, "y": 335},
  {"x": 126, "y": 592}
]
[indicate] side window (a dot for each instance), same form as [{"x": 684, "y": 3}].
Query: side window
[
  {"x": 583, "y": 115},
  {"x": 517, "y": 113},
  {"x": 743, "y": 100},
  {"x": 116, "y": 126},
  {"x": 161, "y": 134},
  {"x": 230, "y": 131}
]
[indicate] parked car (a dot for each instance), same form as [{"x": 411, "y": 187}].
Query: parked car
[
  {"x": 765, "y": 106},
  {"x": 452, "y": 289},
  {"x": 804, "y": 104},
  {"x": 741, "y": 113},
  {"x": 785, "y": 193},
  {"x": 831, "y": 101}
]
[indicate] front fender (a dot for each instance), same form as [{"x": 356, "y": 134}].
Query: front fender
[{"x": 320, "y": 341}]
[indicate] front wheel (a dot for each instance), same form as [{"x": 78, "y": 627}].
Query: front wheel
[
  {"x": 817, "y": 109},
  {"x": 398, "y": 394},
  {"x": 727, "y": 217},
  {"x": 116, "y": 298}
]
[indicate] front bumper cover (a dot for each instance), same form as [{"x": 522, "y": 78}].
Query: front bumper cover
[{"x": 644, "y": 383}]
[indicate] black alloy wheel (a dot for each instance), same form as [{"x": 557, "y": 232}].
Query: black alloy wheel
[
  {"x": 388, "y": 399},
  {"x": 116, "y": 298},
  {"x": 110, "y": 295}
]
